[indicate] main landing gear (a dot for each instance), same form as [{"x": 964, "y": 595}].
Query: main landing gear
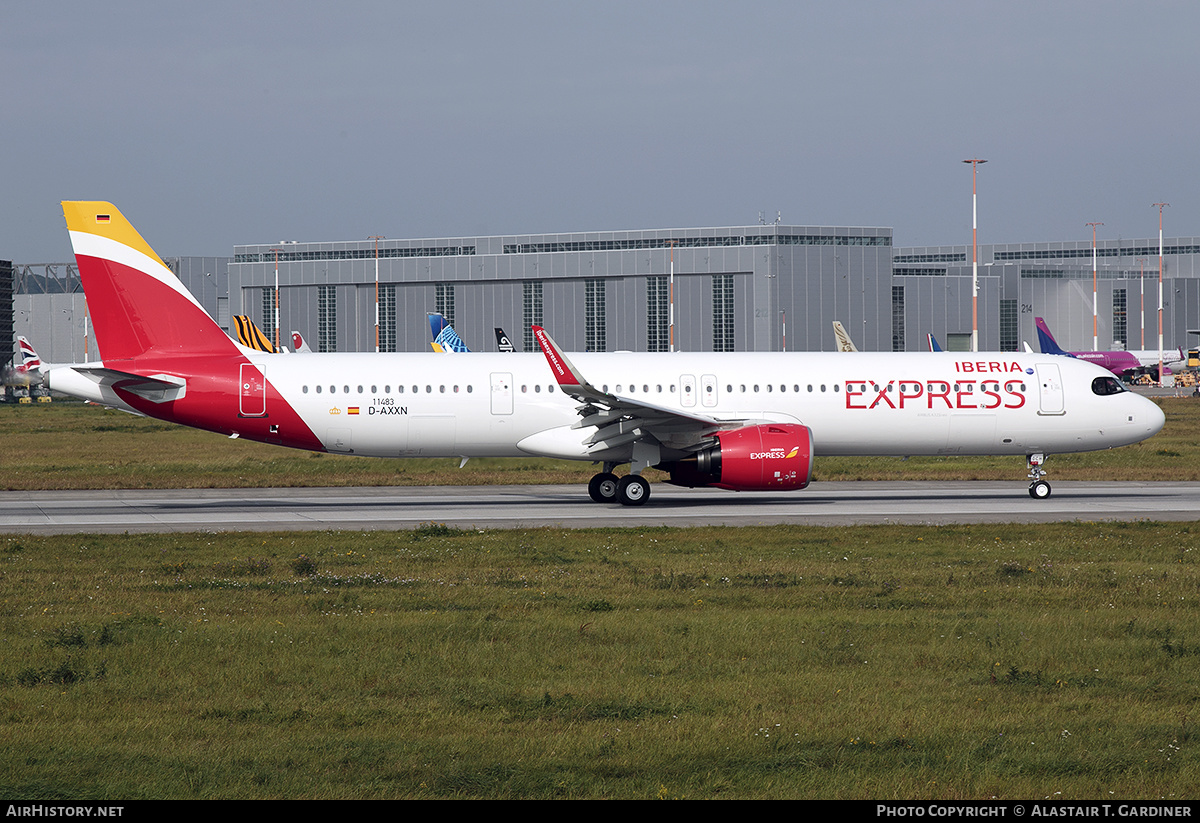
[
  {"x": 630, "y": 490},
  {"x": 1039, "y": 489}
]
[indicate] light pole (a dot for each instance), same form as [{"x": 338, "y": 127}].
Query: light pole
[
  {"x": 276, "y": 341},
  {"x": 974, "y": 257},
  {"x": 1095, "y": 313},
  {"x": 1142, "y": 291},
  {"x": 1160, "y": 291},
  {"x": 671, "y": 301},
  {"x": 376, "y": 238}
]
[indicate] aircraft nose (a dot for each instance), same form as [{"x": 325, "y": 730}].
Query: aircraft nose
[{"x": 1156, "y": 418}]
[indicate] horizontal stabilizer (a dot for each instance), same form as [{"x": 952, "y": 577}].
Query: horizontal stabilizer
[{"x": 98, "y": 384}]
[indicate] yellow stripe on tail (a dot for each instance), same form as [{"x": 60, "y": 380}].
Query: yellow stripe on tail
[{"x": 105, "y": 220}]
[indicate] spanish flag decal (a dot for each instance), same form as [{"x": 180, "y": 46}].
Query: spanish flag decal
[{"x": 352, "y": 410}]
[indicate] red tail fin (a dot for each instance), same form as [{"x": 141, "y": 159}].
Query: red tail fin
[{"x": 137, "y": 305}]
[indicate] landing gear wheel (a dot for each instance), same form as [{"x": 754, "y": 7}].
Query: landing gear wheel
[
  {"x": 1039, "y": 490},
  {"x": 632, "y": 490},
  {"x": 603, "y": 487}
]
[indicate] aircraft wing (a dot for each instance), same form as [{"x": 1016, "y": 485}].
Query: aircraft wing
[{"x": 622, "y": 421}]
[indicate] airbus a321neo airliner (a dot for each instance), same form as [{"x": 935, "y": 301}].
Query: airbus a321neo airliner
[{"x": 739, "y": 421}]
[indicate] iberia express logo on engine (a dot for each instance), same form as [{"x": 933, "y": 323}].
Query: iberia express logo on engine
[{"x": 775, "y": 454}]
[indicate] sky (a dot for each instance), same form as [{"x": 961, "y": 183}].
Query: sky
[{"x": 220, "y": 123}]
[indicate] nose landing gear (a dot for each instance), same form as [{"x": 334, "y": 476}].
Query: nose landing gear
[{"x": 1039, "y": 489}]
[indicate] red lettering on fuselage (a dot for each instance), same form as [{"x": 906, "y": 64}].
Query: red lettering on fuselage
[
  {"x": 985, "y": 367},
  {"x": 992, "y": 395},
  {"x": 962, "y": 395},
  {"x": 910, "y": 395},
  {"x": 1018, "y": 394},
  {"x": 883, "y": 396},
  {"x": 944, "y": 394},
  {"x": 851, "y": 395}
]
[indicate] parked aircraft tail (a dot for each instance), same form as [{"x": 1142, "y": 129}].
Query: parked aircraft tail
[
  {"x": 502, "y": 341},
  {"x": 1046, "y": 339},
  {"x": 30, "y": 362},
  {"x": 298, "y": 343},
  {"x": 933, "y": 343},
  {"x": 251, "y": 336},
  {"x": 445, "y": 339},
  {"x": 842, "y": 338},
  {"x": 24, "y": 370}
]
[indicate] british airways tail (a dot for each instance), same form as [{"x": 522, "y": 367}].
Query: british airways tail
[
  {"x": 30, "y": 364},
  {"x": 1046, "y": 339},
  {"x": 26, "y": 369}
]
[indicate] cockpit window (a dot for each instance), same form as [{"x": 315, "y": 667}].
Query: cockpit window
[{"x": 1107, "y": 385}]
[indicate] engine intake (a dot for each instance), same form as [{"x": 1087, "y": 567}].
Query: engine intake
[{"x": 776, "y": 456}]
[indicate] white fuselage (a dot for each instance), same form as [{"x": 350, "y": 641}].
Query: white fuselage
[
  {"x": 504, "y": 405},
  {"x": 1172, "y": 359}
]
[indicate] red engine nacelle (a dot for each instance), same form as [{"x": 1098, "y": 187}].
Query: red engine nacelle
[{"x": 754, "y": 458}]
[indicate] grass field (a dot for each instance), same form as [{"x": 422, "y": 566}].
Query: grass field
[
  {"x": 1017, "y": 662},
  {"x": 73, "y": 446},
  {"x": 942, "y": 663}
]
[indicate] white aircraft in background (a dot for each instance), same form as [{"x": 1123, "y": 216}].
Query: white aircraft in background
[
  {"x": 739, "y": 421},
  {"x": 30, "y": 370},
  {"x": 31, "y": 365}
]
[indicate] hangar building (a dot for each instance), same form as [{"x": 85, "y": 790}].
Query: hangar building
[
  {"x": 766, "y": 287},
  {"x": 756, "y": 288}
]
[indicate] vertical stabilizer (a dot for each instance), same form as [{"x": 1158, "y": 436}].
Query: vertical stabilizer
[
  {"x": 137, "y": 305},
  {"x": 1046, "y": 339}
]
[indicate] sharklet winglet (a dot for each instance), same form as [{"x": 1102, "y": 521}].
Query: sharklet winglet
[{"x": 565, "y": 373}]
